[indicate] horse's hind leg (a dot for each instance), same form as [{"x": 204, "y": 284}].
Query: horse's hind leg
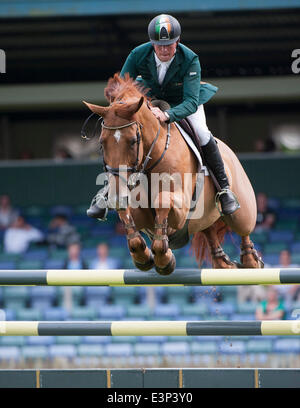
[
  {"x": 249, "y": 257},
  {"x": 219, "y": 258}
]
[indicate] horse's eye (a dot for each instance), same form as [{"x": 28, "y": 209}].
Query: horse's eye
[{"x": 133, "y": 142}]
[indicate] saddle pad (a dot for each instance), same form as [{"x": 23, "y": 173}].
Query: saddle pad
[{"x": 194, "y": 149}]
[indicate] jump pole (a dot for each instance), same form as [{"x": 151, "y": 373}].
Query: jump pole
[
  {"x": 151, "y": 328},
  {"x": 133, "y": 277}
]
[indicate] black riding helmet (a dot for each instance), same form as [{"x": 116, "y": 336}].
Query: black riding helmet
[{"x": 164, "y": 30}]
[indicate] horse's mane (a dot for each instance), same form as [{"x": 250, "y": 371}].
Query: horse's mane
[{"x": 118, "y": 87}]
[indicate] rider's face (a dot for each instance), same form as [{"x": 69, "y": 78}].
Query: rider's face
[{"x": 165, "y": 52}]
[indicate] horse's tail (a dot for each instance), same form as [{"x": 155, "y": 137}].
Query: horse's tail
[{"x": 200, "y": 246}]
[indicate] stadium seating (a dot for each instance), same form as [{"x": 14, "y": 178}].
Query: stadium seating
[{"x": 130, "y": 303}]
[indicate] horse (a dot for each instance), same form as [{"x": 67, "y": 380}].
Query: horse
[{"x": 134, "y": 139}]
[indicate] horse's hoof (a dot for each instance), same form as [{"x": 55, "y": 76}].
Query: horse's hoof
[
  {"x": 145, "y": 266},
  {"x": 168, "y": 269}
]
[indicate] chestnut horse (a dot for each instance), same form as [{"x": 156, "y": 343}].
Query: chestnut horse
[{"x": 132, "y": 136}]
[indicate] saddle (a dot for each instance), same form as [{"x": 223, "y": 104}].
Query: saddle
[{"x": 188, "y": 128}]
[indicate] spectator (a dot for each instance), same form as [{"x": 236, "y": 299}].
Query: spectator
[
  {"x": 103, "y": 261},
  {"x": 294, "y": 293},
  {"x": 270, "y": 145},
  {"x": 266, "y": 145},
  {"x": 265, "y": 216},
  {"x": 61, "y": 233},
  {"x": 285, "y": 260},
  {"x": 289, "y": 292},
  {"x": 252, "y": 293},
  {"x": 74, "y": 260},
  {"x": 7, "y": 213},
  {"x": 271, "y": 308},
  {"x": 259, "y": 145},
  {"x": 18, "y": 237},
  {"x": 61, "y": 154},
  {"x": 26, "y": 155}
]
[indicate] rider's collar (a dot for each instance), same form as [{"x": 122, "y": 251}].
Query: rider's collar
[{"x": 159, "y": 62}]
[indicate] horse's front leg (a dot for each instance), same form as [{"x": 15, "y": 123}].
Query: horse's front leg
[
  {"x": 141, "y": 255},
  {"x": 164, "y": 258}
]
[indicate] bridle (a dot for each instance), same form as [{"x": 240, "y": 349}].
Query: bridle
[
  {"x": 116, "y": 170},
  {"x": 138, "y": 168}
]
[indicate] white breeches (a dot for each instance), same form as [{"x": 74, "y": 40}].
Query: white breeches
[{"x": 198, "y": 121}]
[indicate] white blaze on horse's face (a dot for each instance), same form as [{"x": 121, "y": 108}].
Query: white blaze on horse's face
[{"x": 117, "y": 135}]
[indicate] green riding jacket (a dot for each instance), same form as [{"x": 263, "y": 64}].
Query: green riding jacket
[{"x": 181, "y": 87}]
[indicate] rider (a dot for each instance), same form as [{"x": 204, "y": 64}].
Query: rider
[{"x": 172, "y": 72}]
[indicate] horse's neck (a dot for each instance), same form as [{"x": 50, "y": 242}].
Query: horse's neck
[{"x": 151, "y": 126}]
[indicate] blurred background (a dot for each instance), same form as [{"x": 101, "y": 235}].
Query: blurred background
[{"x": 60, "y": 53}]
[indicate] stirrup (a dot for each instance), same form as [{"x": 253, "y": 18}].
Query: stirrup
[
  {"x": 217, "y": 199},
  {"x": 101, "y": 201}
]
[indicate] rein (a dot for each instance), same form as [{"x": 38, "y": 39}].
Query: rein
[{"x": 83, "y": 132}]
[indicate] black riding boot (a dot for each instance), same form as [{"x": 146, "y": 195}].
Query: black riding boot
[{"x": 214, "y": 161}]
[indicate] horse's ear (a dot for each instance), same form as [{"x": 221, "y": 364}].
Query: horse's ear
[
  {"x": 100, "y": 110},
  {"x": 129, "y": 109}
]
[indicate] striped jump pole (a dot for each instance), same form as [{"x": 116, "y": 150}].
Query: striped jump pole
[
  {"x": 133, "y": 277},
  {"x": 151, "y": 328}
]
